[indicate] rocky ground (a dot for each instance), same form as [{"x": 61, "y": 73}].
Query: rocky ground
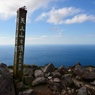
[{"x": 48, "y": 80}]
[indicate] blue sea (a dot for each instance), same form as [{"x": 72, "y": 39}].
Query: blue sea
[{"x": 57, "y": 54}]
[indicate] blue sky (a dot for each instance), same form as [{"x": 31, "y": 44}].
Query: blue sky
[{"x": 50, "y": 21}]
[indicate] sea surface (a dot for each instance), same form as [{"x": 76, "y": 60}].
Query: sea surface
[{"x": 57, "y": 54}]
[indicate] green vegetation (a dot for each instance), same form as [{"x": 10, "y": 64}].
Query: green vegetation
[
  {"x": 11, "y": 67},
  {"x": 89, "y": 66}
]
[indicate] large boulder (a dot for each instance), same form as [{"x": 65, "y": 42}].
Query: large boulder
[
  {"x": 62, "y": 70},
  {"x": 28, "y": 79},
  {"x": 39, "y": 80},
  {"x": 38, "y": 73},
  {"x": 20, "y": 86},
  {"x": 86, "y": 73},
  {"x": 28, "y": 72},
  {"x": 49, "y": 68},
  {"x": 67, "y": 80},
  {"x": 6, "y": 81},
  {"x": 56, "y": 75},
  {"x": 57, "y": 87}
]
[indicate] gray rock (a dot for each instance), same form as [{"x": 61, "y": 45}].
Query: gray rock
[
  {"x": 47, "y": 74},
  {"x": 56, "y": 75},
  {"x": 27, "y": 92},
  {"x": 56, "y": 80},
  {"x": 93, "y": 83},
  {"x": 28, "y": 72},
  {"x": 38, "y": 73},
  {"x": 67, "y": 80},
  {"x": 50, "y": 77},
  {"x": 55, "y": 86},
  {"x": 28, "y": 79},
  {"x": 77, "y": 66},
  {"x": 86, "y": 73},
  {"x": 49, "y": 68},
  {"x": 62, "y": 70},
  {"x": 82, "y": 91},
  {"x": 39, "y": 80},
  {"x": 20, "y": 86},
  {"x": 6, "y": 81}
]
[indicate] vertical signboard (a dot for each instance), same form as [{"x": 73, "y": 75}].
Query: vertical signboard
[{"x": 19, "y": 43}]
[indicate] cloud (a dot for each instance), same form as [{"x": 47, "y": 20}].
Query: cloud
[
  {"x": 58, "y": 35},
  {"x": 36, "y": 38},
  {"x": 60, "y": 16},
  {"x": 80, "y": 18},
  {"x": 56, "y": 16},
  {"x": 43, "y": 36},
  {"x": 8, "y": 8}
]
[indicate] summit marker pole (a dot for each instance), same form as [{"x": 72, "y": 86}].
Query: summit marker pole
[{"x": 19, "y": 43}]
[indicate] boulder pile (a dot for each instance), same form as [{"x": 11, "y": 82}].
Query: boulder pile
[{"x": 49, "y": 80}]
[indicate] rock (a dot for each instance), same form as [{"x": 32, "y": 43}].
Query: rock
[
  {"x": 62, "y": 70},
  {"x": 50, "y": 77},
  {"x": 70, "y": 67},
  {"x": 78, "y": 84},
  {"x": 20, "y": 86},
  {"x": 38, "y": 73},
  {"x": 27, "y": 92},
  {"x": 6, "y": 81},
  {"x": 78, "y": 78},
  {"x": 39, "y": 80},
  {"x": 92, "y": 83},
  {"x": 56, "y": 80},
  {"x": 55, "y": 86},
  {"x": 67, "y": 80},
  {"x": 56, "y": 75},
  {"x": 28, "y": 72},
  {"x": 87, "y": 73},
  {"x": 43, "y": 90},
  {"x": 47, "y": 74},
  {"x": 82, "y": 91},
  {"x": 28, "y": 79},
  {"x": 49, "y": 68},
  {"x": 77, "y": 67}
]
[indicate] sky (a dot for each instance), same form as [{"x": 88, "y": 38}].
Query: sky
[{"x": 49, "y": 21}]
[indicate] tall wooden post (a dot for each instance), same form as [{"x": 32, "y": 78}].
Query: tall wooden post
[{"x": 19, "y": 43}]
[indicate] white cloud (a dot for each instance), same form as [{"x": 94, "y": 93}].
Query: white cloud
[
  {"x": 58, "y": 35},
  {"x": 57, "y": 16},
  {"x": 36, "y": 38},
  {"x": 43, "y": 36},
  {"x": 80, "y": 18},
  {"x": 60, "y": 16},
  {"x": 8, "y": 8}
]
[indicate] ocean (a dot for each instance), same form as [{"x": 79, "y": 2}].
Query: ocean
[{"x": 59, "y": 55}]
